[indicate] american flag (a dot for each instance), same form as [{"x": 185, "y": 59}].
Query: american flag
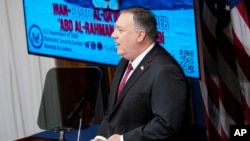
[{"x": 225, "y": 91}]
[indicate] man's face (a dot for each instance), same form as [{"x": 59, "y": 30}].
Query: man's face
[{"x": 125, "y": 36}]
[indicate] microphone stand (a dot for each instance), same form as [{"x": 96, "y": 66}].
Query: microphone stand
[
  {"x": 62, "y": 131},
  {"x": 61, "y": 138},
  {"x": 80, "y": 125},
  {"x": 76, "y": 110}
]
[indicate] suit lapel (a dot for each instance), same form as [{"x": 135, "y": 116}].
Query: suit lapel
[
  {"x": 116, "y": 81},
  {"x": 138, "y": 72},
  {"x": 133, "y": 78}
]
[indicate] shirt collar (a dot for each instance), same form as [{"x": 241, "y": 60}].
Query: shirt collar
[{"x": 138, "y": 59}]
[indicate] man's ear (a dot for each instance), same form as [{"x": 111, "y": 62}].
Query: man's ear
[{"x": 141, "y": 34}]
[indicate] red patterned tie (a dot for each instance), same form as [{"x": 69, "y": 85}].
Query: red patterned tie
[{"x": 124, "y": 79}]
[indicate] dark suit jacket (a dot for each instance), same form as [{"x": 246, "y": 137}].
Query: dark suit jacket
[{"x": 154, "y": 104}]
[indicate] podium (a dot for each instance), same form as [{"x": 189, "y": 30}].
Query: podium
[
  {"x": 36, "y": 139},
  {"x": 71, "y": 106},
  {"x": 86, "y": 135}
]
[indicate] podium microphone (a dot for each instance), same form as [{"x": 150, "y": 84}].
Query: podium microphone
[{"x": 76, "y": 109}]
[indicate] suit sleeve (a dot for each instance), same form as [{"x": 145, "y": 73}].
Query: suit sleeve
[
  {"x": 169, "y": 101},
  {"x": 102, "y": 131}
]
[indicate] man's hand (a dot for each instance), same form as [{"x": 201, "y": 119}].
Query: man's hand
[
  {"x": 114, "y": 137},
  {"x": 97, "y": 140}
]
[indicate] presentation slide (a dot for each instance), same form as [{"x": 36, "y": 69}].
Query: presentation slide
[{"x": 81, "y": 29}]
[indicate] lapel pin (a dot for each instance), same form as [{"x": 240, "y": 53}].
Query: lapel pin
[{"x": 142, "y": 67}]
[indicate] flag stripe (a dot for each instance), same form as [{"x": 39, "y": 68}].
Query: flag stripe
[
  {"x": 233, "y": 108},
  {"x": 209, "y": 41},
  {"x": 242, "y": 57},
  {"x": 246, "y": 110},
  {"x": 213, "y": 89},
  {"x": 241, "y": 7},
  {"x": 224, "y": 136},
  {"x": 211, "y": 125},
  {"x": 226, "y": 50},
  {"x": 241, "y": 30}
]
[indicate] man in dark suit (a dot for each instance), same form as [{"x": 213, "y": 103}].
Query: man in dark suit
[{"x": 154, "y": 103}]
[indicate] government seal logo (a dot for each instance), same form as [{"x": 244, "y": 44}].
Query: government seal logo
[{"x": 35, "y": 36}]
